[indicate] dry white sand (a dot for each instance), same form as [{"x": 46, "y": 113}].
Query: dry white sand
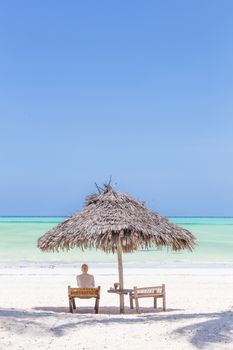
[{"x": 34, "y": 310}]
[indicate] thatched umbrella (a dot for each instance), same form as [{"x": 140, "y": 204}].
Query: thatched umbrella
[{"x": 115, "y": 222}]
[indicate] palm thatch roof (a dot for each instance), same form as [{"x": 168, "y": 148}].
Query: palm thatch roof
[{"x": 110, "y": 217}]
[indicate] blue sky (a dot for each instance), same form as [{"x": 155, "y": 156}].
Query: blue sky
[{"x": 140, "y": 90}]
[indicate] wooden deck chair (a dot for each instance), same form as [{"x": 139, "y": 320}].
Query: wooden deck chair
[
  {"x": 148, "y": 292},
  {"x": 83, "y": 293}
]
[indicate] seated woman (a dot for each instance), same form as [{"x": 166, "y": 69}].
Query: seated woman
[{"x": 85, "y": 280}]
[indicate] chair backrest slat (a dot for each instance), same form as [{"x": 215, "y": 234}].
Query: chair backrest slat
[
  {"x": 84, "y": 292},
  {"x": 149, "y": 290}
]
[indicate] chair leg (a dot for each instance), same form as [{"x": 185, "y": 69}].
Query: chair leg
[
  {"x": 71, "y": 305},
  {"x": 164, "y": 303},
  {"x": 155, "y": 303},
  {"x": 137, "y": 305},
  {"x": 74, "y": 305},
  {"x": 97, "y": 300},
  {"x": 131, "y": 300},
  {"x": 95, "y": 305}
]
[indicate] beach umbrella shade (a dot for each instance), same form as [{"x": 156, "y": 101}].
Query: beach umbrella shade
[{"x": 116, "y": 222}]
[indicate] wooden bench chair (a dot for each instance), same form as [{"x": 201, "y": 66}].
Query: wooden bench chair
[
  {"x": 83, "y": 293},
  {"x": 148, "y": 292}
]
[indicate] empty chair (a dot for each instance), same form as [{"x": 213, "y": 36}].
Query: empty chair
[{"x": 148, "y": 292}]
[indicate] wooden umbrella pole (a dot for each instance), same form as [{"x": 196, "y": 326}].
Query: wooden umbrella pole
[{"x": 120, "y": 271}]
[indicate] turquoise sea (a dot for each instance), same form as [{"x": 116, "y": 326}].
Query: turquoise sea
[{"x": 18, "y": 242}]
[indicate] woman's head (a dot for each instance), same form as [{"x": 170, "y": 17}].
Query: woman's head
[{"x": 84, "y": 267}]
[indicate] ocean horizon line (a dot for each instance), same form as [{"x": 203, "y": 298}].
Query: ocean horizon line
[{"x": 66, "y": 216}]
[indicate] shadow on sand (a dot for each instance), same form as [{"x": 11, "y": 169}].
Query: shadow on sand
[
  {"x": 108, "y": 310},
  {"x": 218, "y": 328}
]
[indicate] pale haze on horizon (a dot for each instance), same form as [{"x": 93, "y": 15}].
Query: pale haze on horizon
[{"x": 141, "y": 91}]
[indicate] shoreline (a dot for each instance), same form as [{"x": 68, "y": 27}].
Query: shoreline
[{"x": 127, "y": 264}]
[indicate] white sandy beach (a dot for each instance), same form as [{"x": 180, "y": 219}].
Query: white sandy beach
[{"x": 34, "y": 310}]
